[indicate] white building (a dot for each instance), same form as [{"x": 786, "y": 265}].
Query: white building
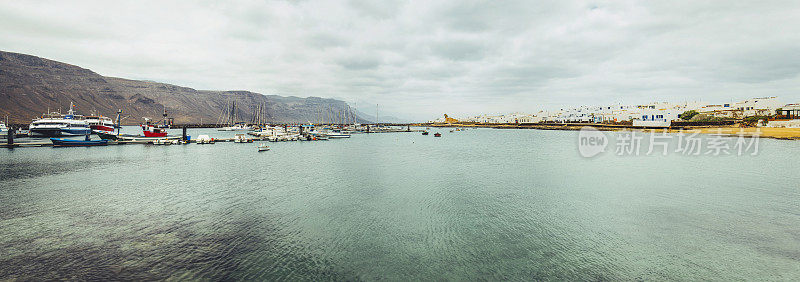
[
  {"x": 764, "y": 106},
  {"x": 758, "y": 106},
  {"x": 653, "y": 114}
]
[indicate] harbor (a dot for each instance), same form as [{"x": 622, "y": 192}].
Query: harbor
[
  {"x": 25, "y": 141},
  {"x": 75, "y": 130}
]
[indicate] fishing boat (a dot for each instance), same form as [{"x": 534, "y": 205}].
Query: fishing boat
[
  {"x": 263, "y": 147},
  {"x": 424, "y": 133},
  {"x": 134, "y": 138},
  {"x": 437, "y": 134},
  {"x": 56, "y": 124},
  {"x": 156, "y": 129},
  {"x": 153, "y": 130},
  {"x": 61, "y": 142}
]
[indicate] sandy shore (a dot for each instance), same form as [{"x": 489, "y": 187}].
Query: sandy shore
[{"x": 762, "y": 132}]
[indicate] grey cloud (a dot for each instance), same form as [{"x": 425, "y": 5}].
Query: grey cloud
[
  {"x": 422, "y": 58},
  {"x": 326, "y": 40},
  {"x": 460, "y": 50},
  {"x": 29, "y": 26},
  {"x": 757, "y": 66},
  {"x": 377, "y": 9},
  {"x": 359, "y": 62}
]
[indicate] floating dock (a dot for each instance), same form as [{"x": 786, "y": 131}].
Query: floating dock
[{"x": 48, "y": 143}]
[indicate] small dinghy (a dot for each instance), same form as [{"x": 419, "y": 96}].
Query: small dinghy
[
  {"x": 61, "y": 142},
  {"x": 263, "y": 147},
  {"x": 437, "y": 134},
  {"x": 424, "y": 133}
]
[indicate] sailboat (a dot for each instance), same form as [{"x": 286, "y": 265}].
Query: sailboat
[{"x": 230, "y": 119}]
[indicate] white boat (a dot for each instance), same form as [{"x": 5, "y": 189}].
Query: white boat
[
  {"x": 241, "y": 138},
  {"x": 165, "y": 141},
  {"x": 56, "y": 124},
  {"x": 3, "y": 129},
  {"x": 275, "y": 134},
  {"x": 316, "y": 135},
  {"x": 338, "y": 134},
  {"x": 230, "y": 117},
  {"x": 162, "y": 142},
  {"x": 204, "y": 139},
  {"x": 263, "y": 147},
  {"x": 235, "y": 127}
]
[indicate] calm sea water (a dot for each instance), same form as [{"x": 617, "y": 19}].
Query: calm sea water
[{"x": 481, "y": 204}]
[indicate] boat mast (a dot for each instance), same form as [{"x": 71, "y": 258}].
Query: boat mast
[
  {"x": 233, "y": 113},
  {"x": 70, "y": 112},
  {"x": 118, "y": 122}
]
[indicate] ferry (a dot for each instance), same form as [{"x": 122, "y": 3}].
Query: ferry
[{"x": 56, "y": 124}]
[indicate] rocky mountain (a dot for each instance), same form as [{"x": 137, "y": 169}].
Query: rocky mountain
[{"x": 30, "y": 86}]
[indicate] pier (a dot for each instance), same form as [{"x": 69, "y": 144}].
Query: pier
[
  {"x": 12, "y": 140},
  {"x": 48, "y": 143}
]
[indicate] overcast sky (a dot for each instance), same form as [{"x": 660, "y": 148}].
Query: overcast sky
[{"x": 420, "y": 59}]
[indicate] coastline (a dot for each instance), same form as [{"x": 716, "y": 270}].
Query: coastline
[{"x": 732, "y": 130}]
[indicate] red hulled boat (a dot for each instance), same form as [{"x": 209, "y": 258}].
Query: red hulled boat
[
  {"x": 151, "y": 129},
  {"x": 101, "y": 123}
]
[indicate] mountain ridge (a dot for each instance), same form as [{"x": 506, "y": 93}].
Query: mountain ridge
[{"x": 31, "y": 85}]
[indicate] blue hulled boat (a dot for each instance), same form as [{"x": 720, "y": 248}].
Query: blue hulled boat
[{"x": 61, "y": 142}]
